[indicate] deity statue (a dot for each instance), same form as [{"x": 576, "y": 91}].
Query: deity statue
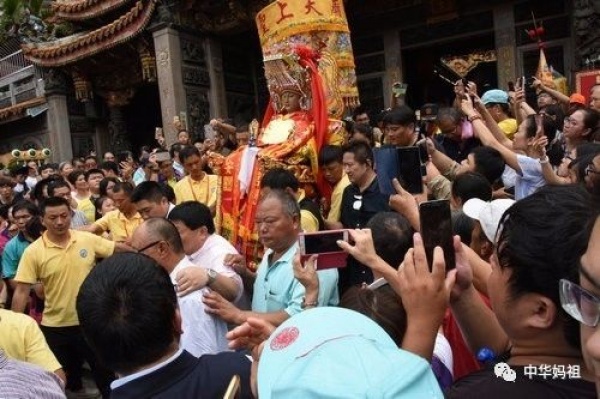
[{"x": 309, "y": 68}]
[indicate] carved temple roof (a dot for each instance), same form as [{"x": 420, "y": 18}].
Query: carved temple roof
[
  {"x": 19, "y": 109},
  {"x": 78, "y": 10},
  {"x": 81, "y": 45}
]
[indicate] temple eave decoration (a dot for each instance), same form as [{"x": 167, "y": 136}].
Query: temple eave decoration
[
  {"x": 79, "y": 10},
  {"x": 19, "y": 109},
  {"x": 82, "y": 45}
]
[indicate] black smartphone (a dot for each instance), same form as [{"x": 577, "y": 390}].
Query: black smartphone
[
  {"x": 410, "y": 173},
  {"x": 436, "y": 230},
  {"x": 322, "y": 242}
]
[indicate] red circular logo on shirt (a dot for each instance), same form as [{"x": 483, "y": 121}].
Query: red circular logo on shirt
[{"x": 284, "y": 338}]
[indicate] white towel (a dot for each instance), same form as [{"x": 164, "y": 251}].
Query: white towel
[{"x": 245, "y": 175}]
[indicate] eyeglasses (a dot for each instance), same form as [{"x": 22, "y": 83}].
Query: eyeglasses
[
  {"x": 569, "y": 121},
  {"x": 590, "y": 169},
  {"x": 149, "y": 246},
  {"x": 579, "y": 303},
  {"x": 357, "y": 202}
]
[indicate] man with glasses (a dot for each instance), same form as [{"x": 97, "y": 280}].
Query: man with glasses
[
  {"x": 202, "y": 333},
  {"x": 455, "y": 139},
  {"x": 539, "y": 242},
  {"x": 592, "y": 177},
  {"x": 361, "y": 200},
  {"x": 582, "y": 302}
]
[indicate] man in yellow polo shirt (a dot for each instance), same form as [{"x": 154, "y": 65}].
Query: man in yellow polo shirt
[
  {"x": 122, "y": 221},
  {"x": 331, "y": 164},
  {"x": 196, "y": 185},
  {"x": 61, "y": 259},
  {"x": 22, "y": 339}
]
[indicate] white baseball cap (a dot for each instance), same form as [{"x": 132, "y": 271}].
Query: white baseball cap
[{"x": 487, "y": 213}]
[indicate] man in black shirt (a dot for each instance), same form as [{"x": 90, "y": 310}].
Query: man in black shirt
[{"x": 360, "y": 202}]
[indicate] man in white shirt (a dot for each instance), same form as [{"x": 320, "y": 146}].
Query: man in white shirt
[
  {"x": 204, "y": 248},
  {"x": 202, "y": 333}
]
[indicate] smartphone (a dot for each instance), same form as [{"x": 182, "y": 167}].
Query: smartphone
[
  {"x": 162, "y": 156},
  {"x": 422, "y": 144},
  {"x": 511, "y": 86},
  {"x": 324, "y": 244},
  {"x": 436, "y": 230},
  {"x": 234, "y": 389},
  {"x": 410, "y": 173}
]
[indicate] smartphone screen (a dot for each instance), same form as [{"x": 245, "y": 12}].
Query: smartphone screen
[
  {"x": 323, "y": 242},
  {"x": 409, "y": 169},
  {"x": 163, "y": 156},
  {"x": 436, "y": 230}
]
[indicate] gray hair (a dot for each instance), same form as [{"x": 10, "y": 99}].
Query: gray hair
[
  {"x": 164, "y": 230},
  {"x": 289, "y": 204}
]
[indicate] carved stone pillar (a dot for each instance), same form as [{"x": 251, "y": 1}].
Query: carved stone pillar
[
  {"x": 217, "y": 94},
  {"x": 117, "y": 128},
  {"x": 504, "y": 29},
  {"x": 170, "y": 81},
  {"x": 393, "y": 63},
  {"x": 57, "y": 118}
]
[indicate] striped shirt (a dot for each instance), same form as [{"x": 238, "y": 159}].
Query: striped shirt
[{"x": 26, "y": 381}]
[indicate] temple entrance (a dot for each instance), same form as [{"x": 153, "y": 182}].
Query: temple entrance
[
  {"x": 422, "y": 67},
  {"x": 142, "y": 116}
]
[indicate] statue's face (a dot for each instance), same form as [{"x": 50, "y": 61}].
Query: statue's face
[{"x": 290, "y": 101}]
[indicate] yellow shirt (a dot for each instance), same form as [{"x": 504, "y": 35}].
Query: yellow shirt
[
  {"x": 119, "y": 226},
  {"x": 308, "y": 221},
  {"x": 204, "y": 191},
  {"x": 22, "y": 339},
  {"x": 62, "y": 271},
  {"x": 89, "y": 210},
  {"x": 509, "y": 127},
  {"x": 335, "y": 209}
]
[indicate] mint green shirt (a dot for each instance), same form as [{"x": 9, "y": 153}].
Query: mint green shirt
[{"x": 277, "y": 289}]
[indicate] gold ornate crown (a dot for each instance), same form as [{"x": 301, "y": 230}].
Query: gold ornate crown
[
  {"x": 285, "y": 73},
  {"x": 320, "y": 25}
]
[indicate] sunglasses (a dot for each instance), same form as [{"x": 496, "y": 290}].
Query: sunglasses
[
  {"x": 141, "y": 250},
  {"x": 579, "y": 303}
]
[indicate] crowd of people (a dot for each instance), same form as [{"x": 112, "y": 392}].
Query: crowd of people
[{"x": 173, "y": 308}]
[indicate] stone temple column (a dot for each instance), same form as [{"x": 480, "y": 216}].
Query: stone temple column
[
  {"x": 117, "y": 128},
  {"x": 57, "y": 119},
  {"x": 170, "y": 80}
]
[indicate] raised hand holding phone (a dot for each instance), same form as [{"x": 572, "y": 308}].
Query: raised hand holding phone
[
  {"x": 539, "y": 126},
  {"x": 425, "y": 291}
]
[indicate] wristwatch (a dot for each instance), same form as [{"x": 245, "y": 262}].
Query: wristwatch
[{"x": 212, "y": 276}]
